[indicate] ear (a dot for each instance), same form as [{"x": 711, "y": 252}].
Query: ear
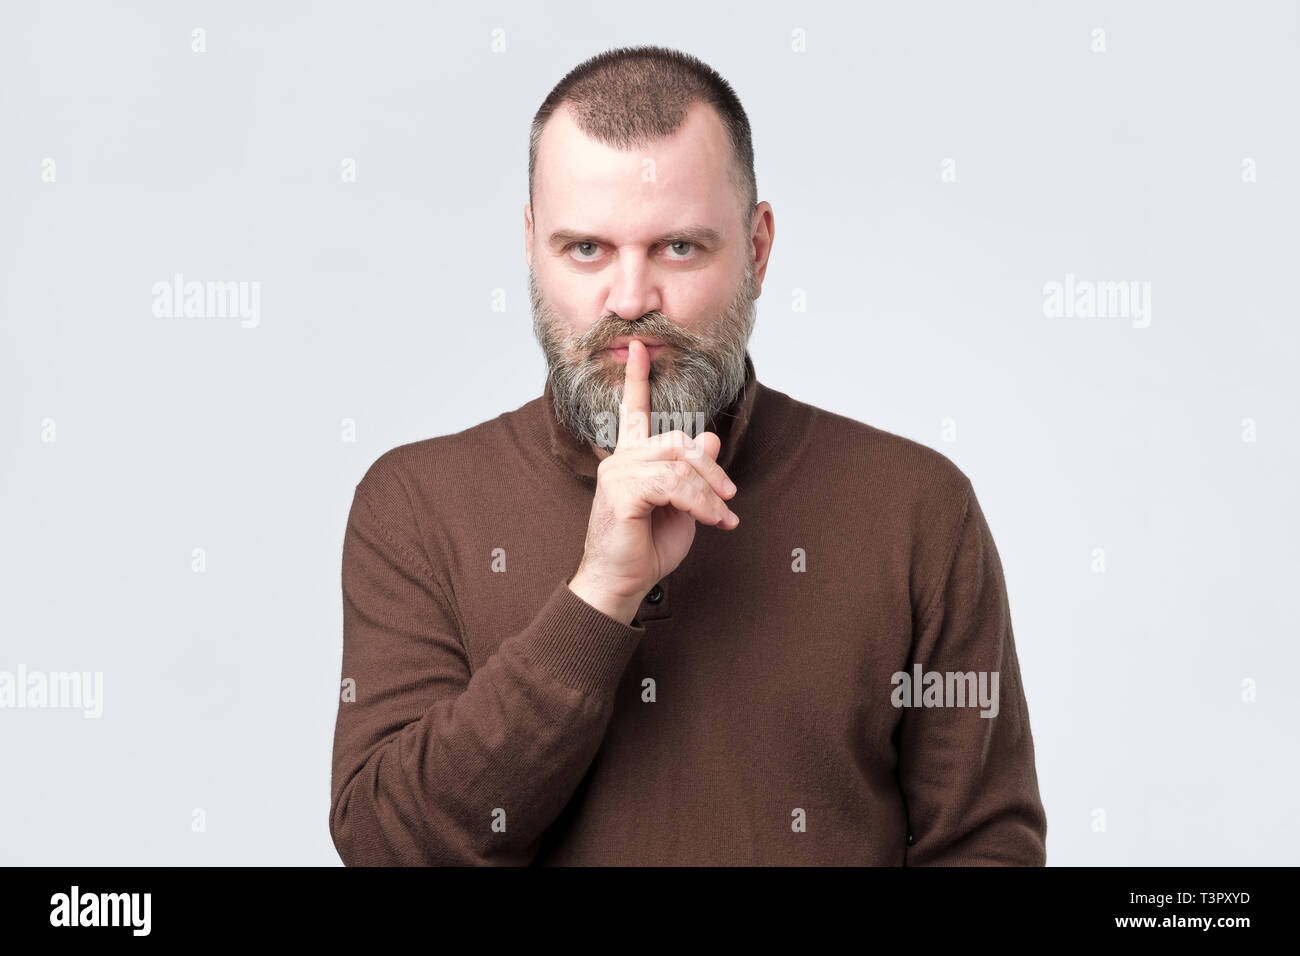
[
  {"x": 763, "y": 236},
  {"x": 528, "y": 233}
]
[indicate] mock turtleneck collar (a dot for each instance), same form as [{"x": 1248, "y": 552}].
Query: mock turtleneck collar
[{"x": 730, "y": 425}]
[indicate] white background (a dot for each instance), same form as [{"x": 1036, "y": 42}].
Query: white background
[{"x": 924, "y": 303}]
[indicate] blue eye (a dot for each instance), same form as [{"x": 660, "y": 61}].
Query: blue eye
[
  {"x": 574, "y": 245},
  {"x": 682, "y": 243}
]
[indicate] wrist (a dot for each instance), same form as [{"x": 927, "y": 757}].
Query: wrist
[{"x": 620, "y": 607}]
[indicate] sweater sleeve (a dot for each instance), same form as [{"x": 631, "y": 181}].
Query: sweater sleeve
[
  {"x": 969, "y": 780},
  {"x": 438, "y": 764}
]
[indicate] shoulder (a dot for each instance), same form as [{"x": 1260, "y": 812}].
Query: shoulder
[
  {"x": 907, "y": 499},
  {"x": 424, "y": 475},
  {"x": 899, "y": 472}
]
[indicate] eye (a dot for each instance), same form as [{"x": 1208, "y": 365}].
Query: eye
[
  {"x": 579, "y": 245},
  {"x": 683, "y": 242}
]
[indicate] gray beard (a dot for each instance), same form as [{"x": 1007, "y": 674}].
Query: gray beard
[{"x": 689, "y": 384}]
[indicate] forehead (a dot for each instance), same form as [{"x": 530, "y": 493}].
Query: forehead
[{"x": 654, "y": 186}]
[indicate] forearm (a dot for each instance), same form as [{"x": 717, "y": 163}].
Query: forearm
[{"x": 480, "y": 775}]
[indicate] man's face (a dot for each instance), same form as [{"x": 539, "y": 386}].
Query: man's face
[{"x": 645, "y": 243}]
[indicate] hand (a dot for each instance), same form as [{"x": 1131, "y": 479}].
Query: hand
[{"x": 650, "y": 492}]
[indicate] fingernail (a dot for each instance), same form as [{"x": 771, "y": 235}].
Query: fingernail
[{"x": 729, "y": 487}]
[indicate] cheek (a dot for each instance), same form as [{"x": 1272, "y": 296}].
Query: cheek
[
  {"x": 572, "y": 309},
  {"x": 560, "y": 316},
  {"x": 692, "y": 315},
  {"x": 699, "y": 304}
]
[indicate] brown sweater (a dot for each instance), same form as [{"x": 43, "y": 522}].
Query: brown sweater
[{"x": 750, "y": 714}]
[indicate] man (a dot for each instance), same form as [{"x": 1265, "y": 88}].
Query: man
[{"x": 567, "y": 647}]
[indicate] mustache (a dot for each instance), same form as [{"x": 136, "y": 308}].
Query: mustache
[{"x": 653, "y": 325}]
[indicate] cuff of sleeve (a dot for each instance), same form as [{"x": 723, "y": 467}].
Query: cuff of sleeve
[{"x": 579, "y": 645}]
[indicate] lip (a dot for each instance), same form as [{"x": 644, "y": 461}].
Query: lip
[
  {"x": 619, "y": 353},
  {"x": 622, "y": 341}
]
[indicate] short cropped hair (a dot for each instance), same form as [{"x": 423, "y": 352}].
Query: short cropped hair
[{"x": 630, "y": 96}]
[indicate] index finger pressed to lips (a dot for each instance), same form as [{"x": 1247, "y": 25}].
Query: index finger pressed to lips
[{"x": 634, "y": 426}]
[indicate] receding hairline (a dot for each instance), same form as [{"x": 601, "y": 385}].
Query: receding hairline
[
  {"x": 647, "y": 142},
  {"x": 629, "y": 98}
]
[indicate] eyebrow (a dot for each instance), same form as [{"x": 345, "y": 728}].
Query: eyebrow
[{"x": 702, "y": 235}]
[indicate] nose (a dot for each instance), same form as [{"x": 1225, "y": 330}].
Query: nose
[{"x": 635, "y": 291}]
